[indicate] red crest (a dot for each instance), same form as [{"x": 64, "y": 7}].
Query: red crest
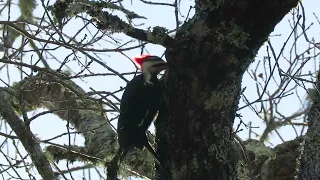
[{"x": 139, "y": 59}]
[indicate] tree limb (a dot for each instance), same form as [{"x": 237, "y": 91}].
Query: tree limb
[
  {"x": 58, "y": 92},
  {"x": 109, "y": 22},
  {"x": 273, "y": 163},
  {"x": 25, "y": 135}
]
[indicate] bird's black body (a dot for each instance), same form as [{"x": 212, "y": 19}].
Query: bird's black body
[{"x": 139, "y": 106}]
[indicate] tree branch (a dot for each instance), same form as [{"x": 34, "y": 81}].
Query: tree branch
[
  {"x": 109, "y": 22},
  {"x": 277, "y": 163},
  {"x": 82, "y": 112},
  {"x": 25, "y": 135},
  {"x": 248, "y": 23}
]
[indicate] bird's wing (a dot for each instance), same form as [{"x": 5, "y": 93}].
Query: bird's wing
[
  {"x": 151, "y": 115},
  {"x": 133, "y": 107}
]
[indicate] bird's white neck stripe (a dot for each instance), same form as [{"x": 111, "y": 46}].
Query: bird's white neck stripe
[{"x": 147, "y": 77}]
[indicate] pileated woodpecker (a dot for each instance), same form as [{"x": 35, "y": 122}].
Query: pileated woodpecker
[{"x": 139, "y": 106}]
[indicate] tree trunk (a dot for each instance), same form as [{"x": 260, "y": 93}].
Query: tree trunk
[
  {"x": 194, "y": 127},
  {"x": 310, "y": 158}
]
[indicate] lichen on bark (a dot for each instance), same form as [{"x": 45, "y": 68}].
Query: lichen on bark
[
  {"x": 218, "y": 45},
  {"x": 310, "y": 154}
]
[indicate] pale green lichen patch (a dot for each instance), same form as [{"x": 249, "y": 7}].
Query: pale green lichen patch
[
  {"x": 232, "y": 33},
  {"x": 242, "y": 171},
  {"x": 219, "y": 152},
  {"x": 195, "y": 164},
  {"x": 215, "y": 100},
  {"x": 200, "y": 29},
  {"x": 259, "y": 149},
  {"x": 225, "y": 95},
  {"x": 158, "y": 35},
  {"x": 221, "y": 149},
  {"x": 218, "y": 99}
]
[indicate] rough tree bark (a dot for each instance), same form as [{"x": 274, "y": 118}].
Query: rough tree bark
[
  {"x": 218, "y": 44},
  {"x": 212, "y": 51},
  {"x": 310, "y": 158}
]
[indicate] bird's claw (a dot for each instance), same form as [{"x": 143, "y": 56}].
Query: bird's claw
[{"x": 149, "y": 84}]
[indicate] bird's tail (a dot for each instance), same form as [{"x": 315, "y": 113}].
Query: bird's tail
[
  {"x": 123, "y": 154},
  {"x": 113, "y": 166},
  {"x": 151, "y": 150}
]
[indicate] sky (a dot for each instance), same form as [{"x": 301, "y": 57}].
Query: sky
[{"x": 49, "y": 125}]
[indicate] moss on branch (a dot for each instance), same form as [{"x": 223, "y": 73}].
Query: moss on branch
[
  {"x": 273, "y": 163},
  {"x": 23, "y": 132},
  {"x": 111, "y": 23}
]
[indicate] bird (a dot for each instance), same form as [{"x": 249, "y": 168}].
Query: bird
[{"x": 139, "y": 106}]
